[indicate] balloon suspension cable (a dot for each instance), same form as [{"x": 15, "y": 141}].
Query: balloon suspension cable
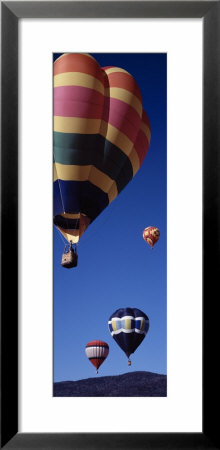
[
  {"x": 61, "y": 197},
  {"x": 61, "y": 236},
  {"x": 73, "y": 245}
]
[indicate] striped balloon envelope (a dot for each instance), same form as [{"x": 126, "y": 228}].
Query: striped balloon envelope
[
  {"x": 128, "y": 327},
  {"x": 151, "y": 235},
  {"x": 97, "y": 351},
  {"x": 101, "y": 137}
]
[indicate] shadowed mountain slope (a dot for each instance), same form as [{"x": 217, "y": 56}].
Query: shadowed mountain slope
[{"x": 134, "y": 384}]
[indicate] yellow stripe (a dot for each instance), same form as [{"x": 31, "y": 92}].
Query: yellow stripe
[
  {"x": 114, "y": 325},
  {"x": 113, "y": 192},
  {"x": 88, "y": 173},
  {"x": 135, "y": 162},
  {"x": 78, "y": 79},
  {"x": 73, "y": 172},
  {"x": 55, "y": 177},
  {"x": 74, "y": 216},
  {"x": 142, "y": 324},
  {"x": 125, "y": 96},
  {"x": 70, "y": 235},
  {"x": 70, "y": 216},
  {"x": 146, "y": 131},
  {"x": 127, "y": 324},
  {"x": 119, "y": 139},
  {"x": 116, "y": 69},
  {"x": 76, "y": 125},
  {"x": 104, "y": 182}
]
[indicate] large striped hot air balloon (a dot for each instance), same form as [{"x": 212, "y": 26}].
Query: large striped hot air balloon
[
  {"x": 128, "y": 327},
  {"x": 101, "y": 136},
  {"x": 97, "y": 351}
]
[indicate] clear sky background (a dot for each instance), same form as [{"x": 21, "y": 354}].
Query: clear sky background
[{"x": 116, "y": 268}]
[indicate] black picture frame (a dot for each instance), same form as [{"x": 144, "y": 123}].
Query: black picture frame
[{"x": 11, "y": 12}]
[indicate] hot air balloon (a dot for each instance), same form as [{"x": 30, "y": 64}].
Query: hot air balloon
[
  {"x": 151, "y": 235},
  {"x": 128, "y": 327},
  {"x": 97, "y": 351},
  {"x": 101, "y": 137}
]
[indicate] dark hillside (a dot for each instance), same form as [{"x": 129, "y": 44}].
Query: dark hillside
[{"x": 134, "y": 384}]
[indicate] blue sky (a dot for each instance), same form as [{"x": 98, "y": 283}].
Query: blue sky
[{"x": 116, "y": 268}]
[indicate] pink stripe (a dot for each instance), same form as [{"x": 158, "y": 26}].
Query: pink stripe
[
  {"x": 82, "y": 94},
  {"x": 74, "y": 101},
  {"x": 77, "y": 109},
  {"x": 123, "y": 117},
  {"x": 141, "y": 146}
]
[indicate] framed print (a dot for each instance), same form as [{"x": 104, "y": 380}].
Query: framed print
[
  {"x": 128, "y": 327},
  {"x": 26, "y": 268}
]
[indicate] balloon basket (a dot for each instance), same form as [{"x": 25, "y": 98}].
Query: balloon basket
[
  {"x": 129, "y": 362},
  {"x": 69, "y": 257}
]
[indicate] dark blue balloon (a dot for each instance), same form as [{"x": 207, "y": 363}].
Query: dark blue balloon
[{"x": 128, "y": 327}]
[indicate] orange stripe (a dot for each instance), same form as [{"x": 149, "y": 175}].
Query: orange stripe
[
  {"x": 77, "y": 62},
  {"x": 124, "y": 81}
]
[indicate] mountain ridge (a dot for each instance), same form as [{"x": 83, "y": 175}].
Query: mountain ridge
[{"x": 133, "y": 384}]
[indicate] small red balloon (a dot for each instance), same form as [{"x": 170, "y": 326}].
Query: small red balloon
[
  {"x": 151, "y": 235},
  {"x": 97, "y": 351}
]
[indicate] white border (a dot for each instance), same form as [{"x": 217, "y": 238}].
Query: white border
[{"x": 182, "y": 409}]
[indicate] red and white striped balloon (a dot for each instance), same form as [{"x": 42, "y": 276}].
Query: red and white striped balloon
[{"x": 97, "y": 351}]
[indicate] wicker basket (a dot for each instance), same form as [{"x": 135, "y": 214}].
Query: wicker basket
[{"x": 69, "y": 259}]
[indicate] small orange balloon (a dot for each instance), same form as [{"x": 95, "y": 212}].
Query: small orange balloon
[{"x": 151, "y": 235}]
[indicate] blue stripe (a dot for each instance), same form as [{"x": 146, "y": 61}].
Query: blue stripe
[
  {"x": 110, "y": 327},
  {"x": 57, "y": 203},
  {"x": 66, "y": 224},
  {"x": 93, "y": 149},
  {"x": 79, "y": 197}
]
